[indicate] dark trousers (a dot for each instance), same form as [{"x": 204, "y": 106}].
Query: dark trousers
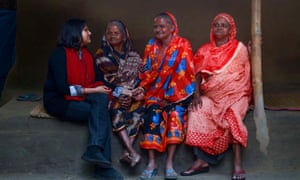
[{"x": 94, "y": 110}]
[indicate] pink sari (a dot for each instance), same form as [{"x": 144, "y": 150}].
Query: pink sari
[{"x": 226, "y": 93}]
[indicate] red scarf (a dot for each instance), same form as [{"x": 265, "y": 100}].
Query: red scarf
[
  {"x": 214, "y": 58},
  {"x": 80, "y": 71}
]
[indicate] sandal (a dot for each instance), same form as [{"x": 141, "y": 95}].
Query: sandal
[
  {"x": 239, "y": 175},
  {"x": 29, "y": 97},
  {"x": 195, "y": 170},
  {"x": 148, "y": 174},
  {"x": 171, "y": 174}
]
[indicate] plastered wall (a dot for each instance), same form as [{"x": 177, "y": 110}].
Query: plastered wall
[{"x": 39, "y": 22}]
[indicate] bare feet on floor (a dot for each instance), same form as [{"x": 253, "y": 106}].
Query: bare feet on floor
[{"x": 135, "y": 159}]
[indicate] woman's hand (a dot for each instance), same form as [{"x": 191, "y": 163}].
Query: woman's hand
[
  {"x": 102, "y": 89},
  {"x": 249, "y": 47},
  {"x": 125, "y": 101},
  {"x": 138, "y": 93},
  {"x": 196, "y": 102}
]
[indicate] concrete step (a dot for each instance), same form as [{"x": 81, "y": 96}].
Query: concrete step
[{"x": 32, "y": 148}]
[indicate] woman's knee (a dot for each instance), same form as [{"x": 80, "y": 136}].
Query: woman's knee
[{"x": 98, "y": 98}]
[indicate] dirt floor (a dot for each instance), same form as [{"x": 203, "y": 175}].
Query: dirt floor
[{"x": 35, "y": 149}]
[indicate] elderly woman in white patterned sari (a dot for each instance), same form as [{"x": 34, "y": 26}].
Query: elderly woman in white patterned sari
[{"x": 119, "y": 66}]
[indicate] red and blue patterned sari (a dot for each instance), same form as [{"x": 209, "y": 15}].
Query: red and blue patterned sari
[{"x": 169, "y": 83}]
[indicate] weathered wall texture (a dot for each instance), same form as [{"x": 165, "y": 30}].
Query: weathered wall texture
[{"x": 38, "y": 24}]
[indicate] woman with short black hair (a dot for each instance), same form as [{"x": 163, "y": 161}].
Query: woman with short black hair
[{"x": 74, "y": 92}]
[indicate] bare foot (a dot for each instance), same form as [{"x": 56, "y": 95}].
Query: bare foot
[
  {"x": 239, "y": 175},
  {"x": 125, "y": 158},
  {"x": 135, "y": 159}
]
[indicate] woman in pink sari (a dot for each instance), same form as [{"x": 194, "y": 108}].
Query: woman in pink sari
[{"x": 220, "y": 103}]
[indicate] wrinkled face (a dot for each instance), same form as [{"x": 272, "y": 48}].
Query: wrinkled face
[
  {"x": 86, "y": 36},
  {"x": 221, "y": 29},
  {"x": 162, "y": 29},
  {"x": 113, "y": 35}
]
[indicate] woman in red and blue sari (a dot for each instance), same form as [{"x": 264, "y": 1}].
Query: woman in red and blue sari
[{"x": 167, "y": 84}]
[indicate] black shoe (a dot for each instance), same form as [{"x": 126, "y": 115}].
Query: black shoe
[
  {"x": 193, "y": 171},
  {"x": 94, "y": 155},
  {"x": 107, "y": 173}
]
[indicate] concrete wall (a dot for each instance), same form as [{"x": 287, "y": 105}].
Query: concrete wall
[{"x": 38, "y": 24}]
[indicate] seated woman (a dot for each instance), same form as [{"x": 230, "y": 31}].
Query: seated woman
[
  {"x": 73, "y": 91},
  {"x": 221, "y": 100},
  {"x": 167, "y": 84},
  {"x": 119, "y": 65}
]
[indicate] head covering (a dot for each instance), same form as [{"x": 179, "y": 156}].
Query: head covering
[
  {"x": 230, "y": 21},
  {"x": 172, "y": 19},
  {"x": 127, "y": 44},
  {"x": 216, "y": 57},
  {"x": 174, "y": 22}
]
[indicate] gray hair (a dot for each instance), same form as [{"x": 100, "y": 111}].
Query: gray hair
[
  {"x": 166, "y": 17},
  {"x": 119, "y": 25}
]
